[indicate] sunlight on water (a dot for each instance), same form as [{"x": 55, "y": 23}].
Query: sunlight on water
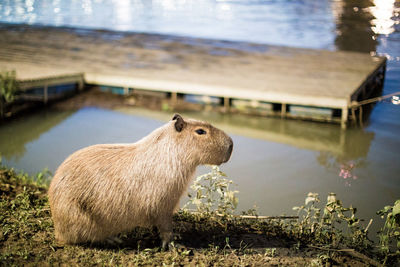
[
  {"x": 255, "y": 21},
  {"x": 383, "y": 12}
]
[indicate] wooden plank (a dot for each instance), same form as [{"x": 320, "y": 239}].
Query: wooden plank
[
  {"x": 212, "y": 90},
  {"x": 25, "y": 84}
]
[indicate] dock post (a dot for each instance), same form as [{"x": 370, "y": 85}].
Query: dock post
[
  {"x": 342, "y": 138},
  {"x": 80, "y": 85},
  {"x": 226, "y": 105},
  {"x": 1, "y": 106},
  {"x": 283, "y": 110},
  {"x": 354, "y": 104},
  {"x": 353, "y": 116},
  {"x": 345, "y": 114},
  {"x": 174, "y": 99},
  {"x": 126, "y": 90},
  {"x": 45, "y": 94}
]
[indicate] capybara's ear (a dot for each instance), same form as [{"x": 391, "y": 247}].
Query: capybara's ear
[
  {"x": 180, "y": 123},
  {"x": 176, "y": 115}
]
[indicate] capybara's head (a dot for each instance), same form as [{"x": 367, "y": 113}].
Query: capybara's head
[{"x": 203, "y": 142}]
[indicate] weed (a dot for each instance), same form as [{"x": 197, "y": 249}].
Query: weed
[
  {"x": 8, "y": 85},
  {"x": 332, "y": 225},
  {"x": 389, "y": 235},
  {"x": 8, "y": 89},
  {"x": 270, "y": 252},
  {"x": 211, "y": 193}
]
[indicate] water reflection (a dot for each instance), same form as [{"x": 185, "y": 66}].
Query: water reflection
[
  {"x": 338, "y": 151},
  {"x": 359, "y": 22},
  {"x": 345, "y": 169},
  {"x": 355, "y": 145},
  {"x": 346, "y": 145},
  {"x": 353, "y": 26},
  {"x": 16, "y": 134}
]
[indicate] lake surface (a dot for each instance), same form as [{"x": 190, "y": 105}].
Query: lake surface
[{"x": 275, "y": 162}]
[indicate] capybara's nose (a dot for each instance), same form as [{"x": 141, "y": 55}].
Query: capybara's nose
[
  {"x": 229, "y": 152},
  {"x": 230, "y": 148}
]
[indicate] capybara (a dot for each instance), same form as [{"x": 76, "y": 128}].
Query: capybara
[{"x": 103, "y": 190}]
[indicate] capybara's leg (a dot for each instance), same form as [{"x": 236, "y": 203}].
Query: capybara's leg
[
  {"x": 165, "y": 228},
  {"x": 75, "y": 226}
]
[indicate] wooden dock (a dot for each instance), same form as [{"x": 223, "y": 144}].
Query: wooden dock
[{"x": 291, "y": 82}]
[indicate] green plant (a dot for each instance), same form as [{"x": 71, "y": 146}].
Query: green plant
[
  {"x": 43, "y": 177},
  {"x": 8, "y": 89},
  {"x": 8, "y": 85},
  {"x": 211, "y": 193},
  {"x": 389, "y": 235},
  {"x": 335, "y": 226},
  {"x": 270, "y": 252}
]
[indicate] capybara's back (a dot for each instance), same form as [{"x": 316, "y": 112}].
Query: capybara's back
[{"x": 102, "y": 190}]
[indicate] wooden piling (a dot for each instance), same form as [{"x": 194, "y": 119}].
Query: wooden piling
[
  {"x": 1, "y": 106},
  {"x": 226, "y": 104},
  {"x": 174, "y": 99},
  {"x": 283, "y": 110},
  {"x": 345, "y": 114},
  {"x": 45, "y": 94},
  {"x": 126, "y": 90}
]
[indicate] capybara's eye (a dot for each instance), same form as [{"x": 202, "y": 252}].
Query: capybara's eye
[{"x": 200, "y": 131}]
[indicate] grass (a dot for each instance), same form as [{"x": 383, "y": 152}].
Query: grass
[{"x": 27, "y": 237}]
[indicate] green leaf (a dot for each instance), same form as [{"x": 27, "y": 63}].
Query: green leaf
[
  {"x": 396, "y": 212},
  {"x": 396, "y": 208}
]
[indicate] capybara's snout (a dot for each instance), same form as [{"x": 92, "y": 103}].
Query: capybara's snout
[{"x": 229, "y": 150}]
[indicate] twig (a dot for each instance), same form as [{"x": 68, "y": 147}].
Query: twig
[
  {"x": 261, "y": 217},
  {"x": 369, "y": 224},
  {"x": 352, "y": 253},
  {"x": 256, "y": 217}
]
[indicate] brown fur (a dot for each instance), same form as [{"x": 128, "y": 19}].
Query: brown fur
[{"x": 102, "y": 190}]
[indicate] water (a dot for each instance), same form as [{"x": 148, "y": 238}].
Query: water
[
  {"x": 257, "y": 21},
  {"x": 275, "y": 162}
]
